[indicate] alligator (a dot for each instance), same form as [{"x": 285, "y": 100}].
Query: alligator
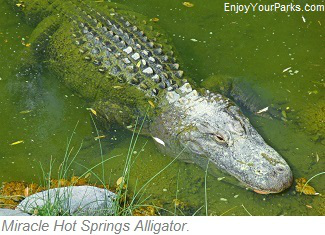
[{"x": 126, "y": 69}]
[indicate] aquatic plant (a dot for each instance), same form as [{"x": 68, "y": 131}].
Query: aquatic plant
[{"x": 125, "y": 202}]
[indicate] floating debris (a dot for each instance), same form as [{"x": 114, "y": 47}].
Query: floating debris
[
  {"x": 223, "y": 199},
  {"x": 188, "y": 4},
  {"x": 287, "y": 69},
  {"x": 304, "y": 188},
  {"x": 317, "y": 157},
  {"x": 119, "y": 180},
  {"x": 93, "y": 111},
  {"x": 151, "y": 104},
  {"x": 17, "y": 142},
  {"x": 262, "y": 110},
  {"x": 194, "y": 40},
  {"x": 155, "y": 19},
  {"x": 303, "y": 19},
  {"x": 25, "y": 111},
  {"x": 117, "y": 87},
  {"x": 20, "y": 5},
  {"x": 100, "y": 137},
  {"x": 159, "y": 141},
  {"x": 221, "y": 178},
  {"x": 284, "y": 114}
]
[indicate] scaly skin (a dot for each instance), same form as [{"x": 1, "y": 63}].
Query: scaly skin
[{"x": 119, "y": 63}]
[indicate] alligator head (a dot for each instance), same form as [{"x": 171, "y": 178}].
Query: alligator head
[{"x": 210, "y": 126}]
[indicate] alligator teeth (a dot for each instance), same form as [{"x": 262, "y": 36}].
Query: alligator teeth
[
  {"x": 128, "y": 50},
  {"x": 135, "y": 56},
  {"x": 148, "y": 71}
]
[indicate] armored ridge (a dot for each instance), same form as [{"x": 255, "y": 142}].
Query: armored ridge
[
  {"x": 121, "y": 65},
  {"x": 118, "y": 47}
]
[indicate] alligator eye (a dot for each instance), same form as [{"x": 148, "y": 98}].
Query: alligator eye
[{"x": 219, "y": 138}]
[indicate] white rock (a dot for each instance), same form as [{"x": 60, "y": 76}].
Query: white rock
[
  {"x": 8, "y": 212},
  {"x": 73, "y": 200}
]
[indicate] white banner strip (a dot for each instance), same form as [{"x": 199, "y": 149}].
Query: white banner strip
[{"x": 161, "y": 225}]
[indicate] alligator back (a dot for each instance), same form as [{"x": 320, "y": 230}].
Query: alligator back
[{"x": 108, "y": 55}]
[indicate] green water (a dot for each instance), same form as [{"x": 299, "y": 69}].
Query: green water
[{"x": 255, "y": 46}]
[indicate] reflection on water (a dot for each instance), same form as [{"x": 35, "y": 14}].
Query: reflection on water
[{"x": 279, "y": 54}]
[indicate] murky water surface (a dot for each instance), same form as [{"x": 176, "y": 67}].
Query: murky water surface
[{"x": 256, "y": 47}]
